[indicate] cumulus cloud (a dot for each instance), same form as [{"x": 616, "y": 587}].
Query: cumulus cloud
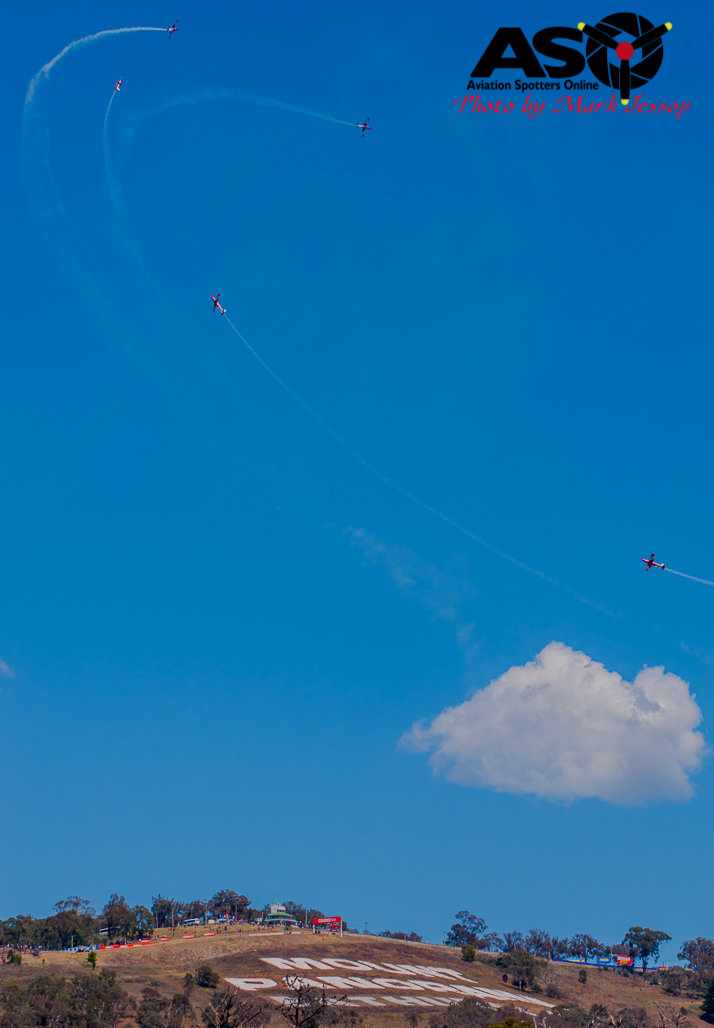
[
  {"x": 564, "y": 727},
  {"x": 5, "y": 670}
]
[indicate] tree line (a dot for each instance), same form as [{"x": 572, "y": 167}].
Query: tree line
[
  {"x": 641, "y": 944},
  {"x": 525, "y": 959},
  {"x": 76, "y": 923}
]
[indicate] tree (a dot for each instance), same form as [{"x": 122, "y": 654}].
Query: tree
[
  {"x": 645, "y": 943},
  {"x": 471, "y": 930},
  {"x": 597, "y": 1016},
  {"x": 567, "y": 1015},
  {"x": 468, "y": 953},
  {"x": 63, "y": 928},
  {"x": 162, "y": 908},
  {"x": 206, "y": 977},
  {"x": 538, "y": 942},
  {"x": 194, "y": 909},
  {"x": 550, "y": 980},
  {"x": 82, "y": 1001},
  {"x": 227, "y": 903},
  {"x": 119, "y": 918},
  {"x": 677, "y": 981},
  {"x": 92, "y": 959},
  {"x": 187, "y": 985},
  {"x": 582, "y": 976},
  {"x": 523, "y": 967},
  {"x": 17, "y": 931},
  {"x": 144, "y": 921},
  {"x": 670, "y": 1018},
  {"x": 229, "y": 1010},
  {"x": 180, "y": 1006},
  {"x": 307, "y": 1006},
  {"x": 629, "y": 1017},
  {"x": 151, "y": 1009},
  {"x": 585, "y": 946},
  {"x": 469, "y": 1013},
  {"x": 511, "y": 1022},
  {"x": 75, "y": 903},
  {"x": 513, "y": 941},
  {"x": 707, "y": 1013},
  {"x": 699, "y": 954},
  {"x": 299, "y": 912}
]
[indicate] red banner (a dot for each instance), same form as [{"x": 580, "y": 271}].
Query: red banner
[{"x": 327, "y": 920}]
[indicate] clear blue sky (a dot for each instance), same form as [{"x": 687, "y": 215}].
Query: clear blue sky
[{"x": 220, "y": 623}]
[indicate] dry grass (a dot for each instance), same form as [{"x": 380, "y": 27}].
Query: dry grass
[{"x": 238, "y": 955}]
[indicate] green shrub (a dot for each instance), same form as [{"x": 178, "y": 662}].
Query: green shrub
[
  {"x": 707, "y": 1013},
  {"x": 206, "y": 977}
]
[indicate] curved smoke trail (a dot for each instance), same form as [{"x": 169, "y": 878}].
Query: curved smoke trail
[
  {"x": 266, "y": 102},
  {"x": 114, "y": 91},
  {"x": 410, "y": 496},
  {"x": 178, "y": 100},
  {"x": 75, "y": 45},
  {"x": 692, "y": 577}
]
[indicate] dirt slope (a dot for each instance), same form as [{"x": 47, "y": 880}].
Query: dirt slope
[{"x": 422, "y": 977}]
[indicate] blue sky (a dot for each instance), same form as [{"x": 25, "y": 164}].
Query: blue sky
[{"x": 220, "y": 622}]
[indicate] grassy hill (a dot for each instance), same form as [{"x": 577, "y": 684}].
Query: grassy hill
[{"x": 407, "y": 987}]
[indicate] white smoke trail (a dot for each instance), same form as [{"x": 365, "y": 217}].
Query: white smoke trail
[
  {"x": 114, "y": 92},
  {"x": 74, "y": 45},
  {"x": 205, "y": 95},
  {"x": 692, "y": 577},
  {"x": 415, "y": 499},
  {"x": 265, "y": 101},
  {"x": 115, "y": 191}
]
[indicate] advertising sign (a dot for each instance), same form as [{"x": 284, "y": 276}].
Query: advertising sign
[
  {"x": 627, "y": 961},
  {"x": 327, "y": 920}
]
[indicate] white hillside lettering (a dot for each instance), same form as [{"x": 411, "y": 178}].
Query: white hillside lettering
[{"x": 251, "y": 984}]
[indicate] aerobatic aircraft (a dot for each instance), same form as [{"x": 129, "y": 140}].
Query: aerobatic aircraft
[
  {"x": 217, "y": 306},
  {"x": 173, "y": 28},
  {"x": 117, "y": 87},
  {"x": 366, "y": 127},
  {"x": 652, "y": 562}
]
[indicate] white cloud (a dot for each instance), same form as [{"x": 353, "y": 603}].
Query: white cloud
[
  {"x": 6, "y": 671},
  {"x": 564, "y": 727}
]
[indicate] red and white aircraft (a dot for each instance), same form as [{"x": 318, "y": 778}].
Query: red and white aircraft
[
  {"x": 173, "y": 28},
  {"x": 117, "y": 87},
  {"x": 652, "y": 562},
  {"x": 217, "y": 306},
  {"x": 366, "y": 127}
]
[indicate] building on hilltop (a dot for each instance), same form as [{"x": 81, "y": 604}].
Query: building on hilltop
[{"x": 279, "y": 915}]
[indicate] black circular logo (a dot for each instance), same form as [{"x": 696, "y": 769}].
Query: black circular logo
[{"x": 623, "y": 36}]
